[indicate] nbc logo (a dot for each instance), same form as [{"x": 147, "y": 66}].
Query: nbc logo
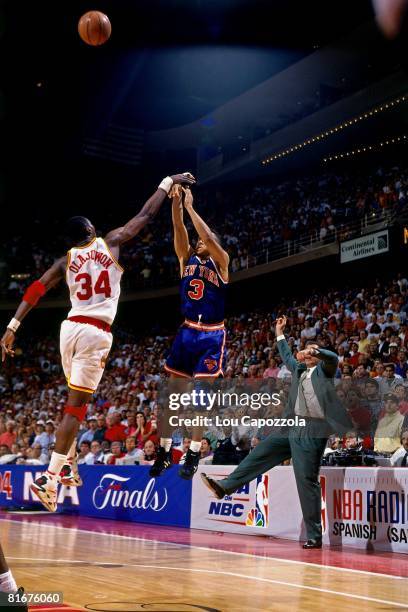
[{"x": 259, "y": 516}]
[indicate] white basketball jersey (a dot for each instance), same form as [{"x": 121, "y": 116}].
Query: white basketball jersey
[{"x": 93, "y": 278}]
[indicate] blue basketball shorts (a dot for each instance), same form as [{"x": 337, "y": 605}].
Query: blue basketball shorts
[{"x": 198, "y": 351}]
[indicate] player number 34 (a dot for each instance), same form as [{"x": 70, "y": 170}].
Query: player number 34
[{"x": 102, "y": 285}]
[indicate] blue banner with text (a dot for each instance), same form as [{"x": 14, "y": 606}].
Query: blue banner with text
[{"x": 115, "y": 492}]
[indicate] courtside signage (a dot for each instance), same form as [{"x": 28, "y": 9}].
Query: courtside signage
[
  {"x": 364, "y": 246},
  {"x": 124, "y": 493}
]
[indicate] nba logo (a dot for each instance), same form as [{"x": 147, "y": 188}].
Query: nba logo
[
  {"x": 259, "y": 516},
  {"x": 324, "y": 505}
]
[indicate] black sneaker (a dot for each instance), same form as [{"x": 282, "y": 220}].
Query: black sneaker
[
  {"x": 190, "y": 466},
  {"x": 163, "y": 461},
  {"x": 213, "y": 485},
  {"x": 6, "y": 606}
]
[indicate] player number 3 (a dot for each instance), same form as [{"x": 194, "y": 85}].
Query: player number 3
[
  {"x": 102, "y": 285},
  {"x": 198, "y": 286}
]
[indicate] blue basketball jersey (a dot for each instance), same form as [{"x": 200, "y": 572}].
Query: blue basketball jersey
[{"x": 202, "y": 291}]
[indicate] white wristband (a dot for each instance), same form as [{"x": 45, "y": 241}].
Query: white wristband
[
  {"x": 166, "y": 184},
  {"x": 14, "y": 325},
  {"x": 280, "y": 337}
]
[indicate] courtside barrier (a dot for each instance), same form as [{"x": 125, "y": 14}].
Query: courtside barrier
[
  {"x": 124, "y": 493},
  {"x": 362, "y": 507}
]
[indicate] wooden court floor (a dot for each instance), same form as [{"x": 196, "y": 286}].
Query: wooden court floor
[{"x": 106, "y": 567}]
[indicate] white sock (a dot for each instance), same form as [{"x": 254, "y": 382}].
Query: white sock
[
  {"x": 166, "y": 443},
  {"x": 7, "y": 583},
  {"x": 195, "y": 446},
  {"x": 55, "y": 466},
  {"x": 72, "y": 452}
]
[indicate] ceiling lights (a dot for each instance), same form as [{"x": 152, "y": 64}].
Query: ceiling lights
[{"x": 334, "y": 130}]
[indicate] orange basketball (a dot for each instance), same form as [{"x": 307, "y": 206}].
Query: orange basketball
[{"x": 94, "y": 28}]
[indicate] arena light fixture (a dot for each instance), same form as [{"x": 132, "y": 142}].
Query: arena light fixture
[
  {"x": 335, "y": 129},
  {"x": 366, "y": 148}
]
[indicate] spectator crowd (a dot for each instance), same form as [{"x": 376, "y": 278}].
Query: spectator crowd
[
  {"x": 255, "y": 224},
  {"x": 367, "y": 327}
]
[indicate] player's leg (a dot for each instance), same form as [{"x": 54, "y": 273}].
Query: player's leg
[
  {"x": 8, "y": 586},
  {"x": 191, "y": 462},
  {"x": 266, "y": 455},
  {"x": 84, "y": 350},
  {"x": 209, "y": 365},
  {"x": 175, "y": 384},
  {"x": 45, "y": 487},
  {"x": 179, "y": 370}
]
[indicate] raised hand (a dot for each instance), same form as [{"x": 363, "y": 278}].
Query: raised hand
[
  {"x": 176, "y": 193},
  {"x": 7, "y": 342},
  {"x": 280, "y": 325},
  {"x": 183, "y": 179},
  {"x": 188, "y": 199}
]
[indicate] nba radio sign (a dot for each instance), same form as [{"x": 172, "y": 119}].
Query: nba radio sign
[{"x": 246, "y": 510}]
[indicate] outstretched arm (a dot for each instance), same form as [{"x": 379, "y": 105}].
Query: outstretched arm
[
  {"x": 283, "y": 347},
  {"x": 216, "y": 251},
  {"x": 148, "y": 211},
  {"x": 34, "y": 292},
  {"x": 181, "y": 242}
]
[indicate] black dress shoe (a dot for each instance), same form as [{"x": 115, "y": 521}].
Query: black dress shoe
[
  {"x": 313, "y": 543},
  {"x": 213, "y": 485}
]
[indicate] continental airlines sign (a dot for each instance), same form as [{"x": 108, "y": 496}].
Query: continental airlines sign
[{"x": 364, "y": 246}]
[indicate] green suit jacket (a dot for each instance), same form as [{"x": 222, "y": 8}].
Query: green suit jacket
[{"x": 323, "y": 384}]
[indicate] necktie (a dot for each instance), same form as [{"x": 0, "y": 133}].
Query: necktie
[
  {"x": 404, "y": 460},
  {"x": 302, "y": 401}
]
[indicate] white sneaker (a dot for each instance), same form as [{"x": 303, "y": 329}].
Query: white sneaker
[
  {"x": 69, "y": 475},
  {"x": 46, "y": 493}
]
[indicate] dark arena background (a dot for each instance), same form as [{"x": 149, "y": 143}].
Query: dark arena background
[{"x": 293, "y": 118}]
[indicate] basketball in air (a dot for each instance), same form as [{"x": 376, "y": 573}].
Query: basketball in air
[{"x": 94, "y": 28}]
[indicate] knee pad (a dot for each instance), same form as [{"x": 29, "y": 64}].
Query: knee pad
[{"x": 79, "y": 412}]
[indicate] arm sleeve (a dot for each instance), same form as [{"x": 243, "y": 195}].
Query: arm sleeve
[
  {"x": 330, "y": 361},
  {"x": 286, "y": 354}
]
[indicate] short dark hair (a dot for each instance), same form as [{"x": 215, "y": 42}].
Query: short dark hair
[
  {"x": 217, "y": 237},
  {"x": 78, "y": 229}
]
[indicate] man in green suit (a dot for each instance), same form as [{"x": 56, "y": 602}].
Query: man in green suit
[{"x": 313, "y": 398}]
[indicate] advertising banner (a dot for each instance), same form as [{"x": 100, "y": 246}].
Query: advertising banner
[
  {"x": 367, "y": 507},
  {"x": 364, "y": 246},
  {"x": 125, "y": 493},
  {"x": 245, "y": 511},
  {"x": 363, "y": 507}
]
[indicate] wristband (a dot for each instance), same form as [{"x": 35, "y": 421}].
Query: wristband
[
  {"x": 14, "y": 325},
  {"x": 166, "y": 184}
]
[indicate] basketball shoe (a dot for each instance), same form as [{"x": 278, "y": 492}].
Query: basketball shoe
[
  {"x": 69, "y": 474},
  {"x": 45, "y": 489},
  {"x": 190, "y": 466},
  {"x": 162, "y": 462}
]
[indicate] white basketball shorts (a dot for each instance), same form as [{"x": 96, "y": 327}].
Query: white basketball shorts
[{"x": 84, "y": 351}]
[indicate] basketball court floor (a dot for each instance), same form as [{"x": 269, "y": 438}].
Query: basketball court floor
[{"x": 118, "y": 566}]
